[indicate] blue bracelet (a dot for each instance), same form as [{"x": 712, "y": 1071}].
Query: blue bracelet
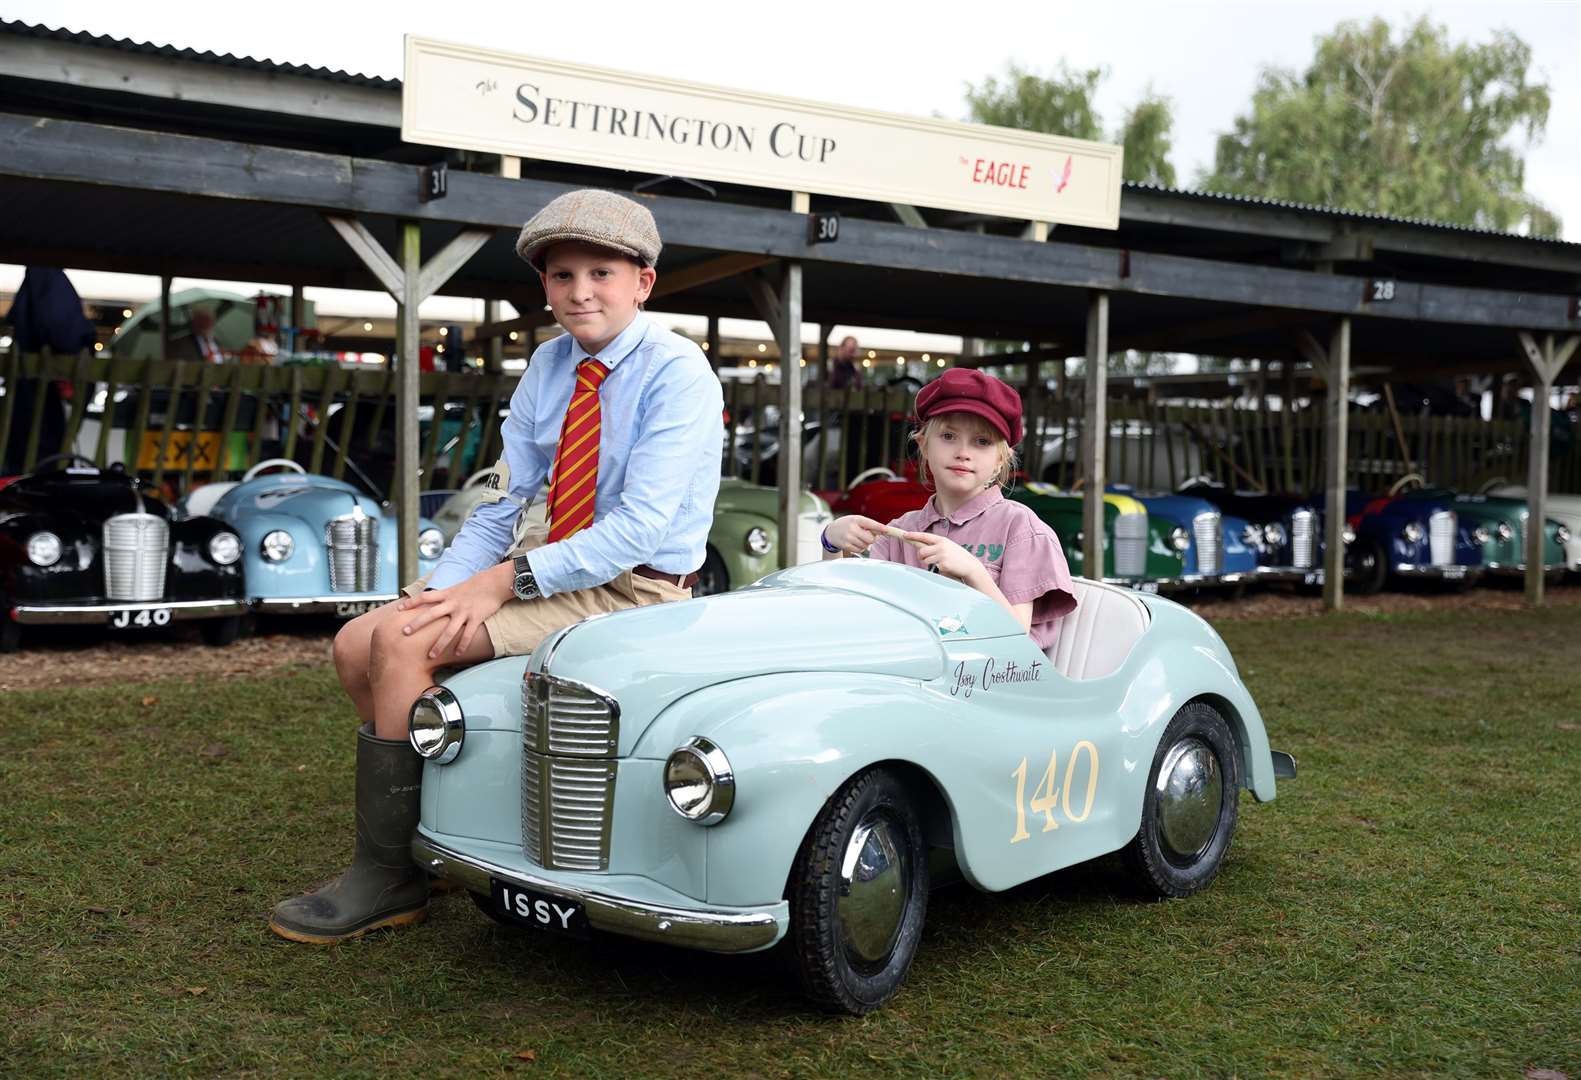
[{"x": 823, "y": 538}]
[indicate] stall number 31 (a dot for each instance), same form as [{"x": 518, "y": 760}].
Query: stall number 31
[{"x": 1046, "y": 798}]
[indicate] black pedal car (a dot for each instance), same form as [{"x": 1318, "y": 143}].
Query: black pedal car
[{"x": 86, "y": 546}]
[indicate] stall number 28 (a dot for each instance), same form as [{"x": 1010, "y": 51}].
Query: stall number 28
[{"x": 1048, "y": 798}]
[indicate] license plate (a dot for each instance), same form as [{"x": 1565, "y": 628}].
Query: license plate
[
  {"x": 1313, "y": 578},
  {"x": 350, "y": 609},
  {"x": 139, "y": 618},
  {"x": 1454, "y": 572},
  {"x": 539, "y": 910}
]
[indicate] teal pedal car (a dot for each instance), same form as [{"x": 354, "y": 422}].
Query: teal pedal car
[{"x": 675, "y": 774}]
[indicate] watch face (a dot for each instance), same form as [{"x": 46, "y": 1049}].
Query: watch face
[{"x": 525, "y": 587}]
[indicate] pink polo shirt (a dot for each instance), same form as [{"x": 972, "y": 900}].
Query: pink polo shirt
[{"x": 1022, "y": 554}]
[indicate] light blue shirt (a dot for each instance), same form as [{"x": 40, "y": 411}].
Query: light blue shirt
[{"x": 661, "y": 428}]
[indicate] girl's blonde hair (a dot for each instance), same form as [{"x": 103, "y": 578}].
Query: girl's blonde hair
[{"x": 973, "y": 425}]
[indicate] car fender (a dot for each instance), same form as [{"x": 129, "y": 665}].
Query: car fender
[{"x": 728, "y": 535}]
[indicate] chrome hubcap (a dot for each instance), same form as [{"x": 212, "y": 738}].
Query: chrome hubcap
[
  {"x": 1190, "y": 792},
  {"x": 874, "y": 887}
]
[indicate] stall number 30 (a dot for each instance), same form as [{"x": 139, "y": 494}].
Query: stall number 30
[{"x": 1046, "y": 798}]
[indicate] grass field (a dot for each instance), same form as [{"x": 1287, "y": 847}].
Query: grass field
[{"x": 1408, "y": 907}]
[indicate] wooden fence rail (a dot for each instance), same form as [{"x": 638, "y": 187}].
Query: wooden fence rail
[{"x": 183, "y": 422}]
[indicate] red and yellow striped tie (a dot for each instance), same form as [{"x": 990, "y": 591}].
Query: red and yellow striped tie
[{"x": 575, "y": 485}]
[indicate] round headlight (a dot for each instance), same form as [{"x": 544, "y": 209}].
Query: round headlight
[
  {"x": 1347, "y": 534},
  {"x": 225, "y": 548},
  {"x": 277, "y": 546},
  {"x": 758, "y": 542},
  {"x": 1504, "y": 532},
  {"x": 699, "y": 783},
  {"x": 1251, "y": 535},
  {"x": 1562, "y": 534},
  {"x": 435, "y": 726},
  {"x": 1179, "y": 538},
  {"x": 1274, "y": 533},
  {"x": 1412, "y": 533},
  {"x": 43, "y": 549},
  {"x": 430, "y": 543},
  {"x": 1481, "y": 534}
]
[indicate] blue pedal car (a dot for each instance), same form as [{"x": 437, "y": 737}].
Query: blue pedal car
[
  {"x": 674, "y": 774},
  {"x": 311, "y": 544}
]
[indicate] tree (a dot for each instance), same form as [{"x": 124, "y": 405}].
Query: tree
[
  {"x": 1145, "y": 136},
  {"x": 1415, "y": 127}
]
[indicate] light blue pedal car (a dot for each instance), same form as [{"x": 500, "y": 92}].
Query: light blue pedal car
[
  {"x": 311, "y": 544},
  {"x": 797, "y": 758}
]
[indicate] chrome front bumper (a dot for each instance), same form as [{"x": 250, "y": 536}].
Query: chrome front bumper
[
  {"x": 723, "y": 930},
  {"x": 98, "y": 614},
  {"x": 1190, "y": 581},
  {"x": 1454, "y": 572},
  {"x": 1519, "y": 569},
  {"x": 346, "y": 606}
]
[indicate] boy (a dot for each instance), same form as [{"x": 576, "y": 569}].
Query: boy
[{"x": 622, "y": 419}]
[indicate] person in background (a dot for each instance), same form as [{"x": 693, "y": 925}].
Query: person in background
[
  {"x": 200, "y": 343},
  {"x": 845, "y": 372},
  {"x": 46, "y": 314}
]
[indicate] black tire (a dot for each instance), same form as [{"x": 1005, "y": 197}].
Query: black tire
[
  {"x": 1176, "y": 853},
  {"x": 847, "y": 964},
  {"x": 1371, "y": 568},
  {"x": 220, "y": 632},
  {"x": 712, "y": 577},
  {"x": 10, "y": 634}
]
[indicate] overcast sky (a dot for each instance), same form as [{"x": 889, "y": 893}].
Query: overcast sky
[{"x": 908, "y": 58}]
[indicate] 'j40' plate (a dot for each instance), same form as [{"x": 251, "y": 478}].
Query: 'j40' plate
[{"x": 139, "y": 618}]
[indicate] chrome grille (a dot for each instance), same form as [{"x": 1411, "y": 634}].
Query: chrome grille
[
  {"x": 570, "y": 734},
  {"x": 574, "y": 798},
  {"x": 1303, "y": 539},
  {"x": 136, "y": 552},
  {"x": 1130, "y": 545},
  {"x": 351, "y": 543},
  {"x": 1441, "y": 529},
  {"x": 1205, "y": 528}
]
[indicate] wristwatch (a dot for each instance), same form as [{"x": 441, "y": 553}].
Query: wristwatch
[{"x": 525, "y": 585}]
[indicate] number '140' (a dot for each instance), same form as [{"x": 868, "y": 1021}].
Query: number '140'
[{"x": 1047, "y": 798}]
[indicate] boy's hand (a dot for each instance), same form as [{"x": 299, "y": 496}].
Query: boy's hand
[
  {"x": 466, "y": 606},
  {"x": 853, "y": 534},
  {"x": 946, "y": 556}
]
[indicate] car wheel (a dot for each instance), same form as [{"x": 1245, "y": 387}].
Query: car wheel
[
  {"x": 222, "y": 631},
  {"x": 1371, "y": 566},
  {"x": 712, "y": 577},
  {"x": 1189, "y": 806},
  {"x": 859, "y": 895}
]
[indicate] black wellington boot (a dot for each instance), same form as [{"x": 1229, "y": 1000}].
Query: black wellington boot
[{"x": 382, "y": 887}]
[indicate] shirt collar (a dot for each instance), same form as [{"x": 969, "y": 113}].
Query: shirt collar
[
  {"x": 968, "y": 510},
  {"x": 624, "y": 345}
]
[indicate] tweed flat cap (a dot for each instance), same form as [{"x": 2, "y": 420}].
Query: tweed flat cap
[{"x": 591, "y": 217}]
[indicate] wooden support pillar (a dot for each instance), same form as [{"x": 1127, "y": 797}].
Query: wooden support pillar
[
  {"x": 1095, "y": 434},
  {"x": 298, "y": 316},
  {"x": 1334, "y": 366},
  {"x": 1035, "y": 402},
  {"x": 410, "y": 281},
  {"x": 714, "y": 359},
  {"x": 494, "y": 358},
  {"x": 407, "y": 393},
  {"x": 1546, "y": 363},
  {"x": 789, "y": 478},
  {"x": 1287, "y": 394},
  {"x": 164, "y": 317}
]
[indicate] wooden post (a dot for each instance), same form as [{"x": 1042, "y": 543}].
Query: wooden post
[
  {"x": 714, "y": 359},
  {"x": 494, "y": 358},
  {"x": 164, "y": 317},
  {"x": 1546, "y": 363},
  {"x": 1095, "y": 432},
  {"x": 406, "y": 402},
  {"x": 1031, "y": 443},
  {"x": 1335, "y": 367},
  {"x": 298, "y": 315},
  {"x": 789, "y": 479}
]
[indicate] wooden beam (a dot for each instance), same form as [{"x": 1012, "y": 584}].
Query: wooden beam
[
  {"x": 1546, "y": 362},
  {"x": 452, "y": 257},
  {"x": 368, "y": 249},
  {"x": 1182, "y": 336},
  {"x": 1336, "y": 432},
  {"x": 908, "y": 215},
  {"x": 708, "y": 272},
  {"x": 1095, "y": 434}
]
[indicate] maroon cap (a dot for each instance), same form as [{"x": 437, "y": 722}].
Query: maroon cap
[{"x": 969, "y": 390}]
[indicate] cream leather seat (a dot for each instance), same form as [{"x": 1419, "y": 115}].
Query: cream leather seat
[{"x": 1095, "y": 639}]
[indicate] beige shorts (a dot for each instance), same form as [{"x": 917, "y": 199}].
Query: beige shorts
[{"x": 517, "y": 627}]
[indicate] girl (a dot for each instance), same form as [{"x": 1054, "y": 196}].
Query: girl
[{"x": 968, "y": 423}]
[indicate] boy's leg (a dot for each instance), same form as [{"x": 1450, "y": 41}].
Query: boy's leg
[
  {"x": 400, "y": 667},
  {"x": 352, "y": 651}
]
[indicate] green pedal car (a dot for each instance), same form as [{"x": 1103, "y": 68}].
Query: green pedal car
[{"x": 677, "y": 774}]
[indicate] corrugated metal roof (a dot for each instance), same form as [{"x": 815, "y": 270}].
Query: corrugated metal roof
[
  {"x": 1335, "y": 211},
  {"x": 101, "y": 41},
  {"x": 23, "y": 29}
]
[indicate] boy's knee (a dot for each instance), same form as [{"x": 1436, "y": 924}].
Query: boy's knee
[
  {"x": 392, "y": 649},
  {"x": 350, "y": 649}
]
